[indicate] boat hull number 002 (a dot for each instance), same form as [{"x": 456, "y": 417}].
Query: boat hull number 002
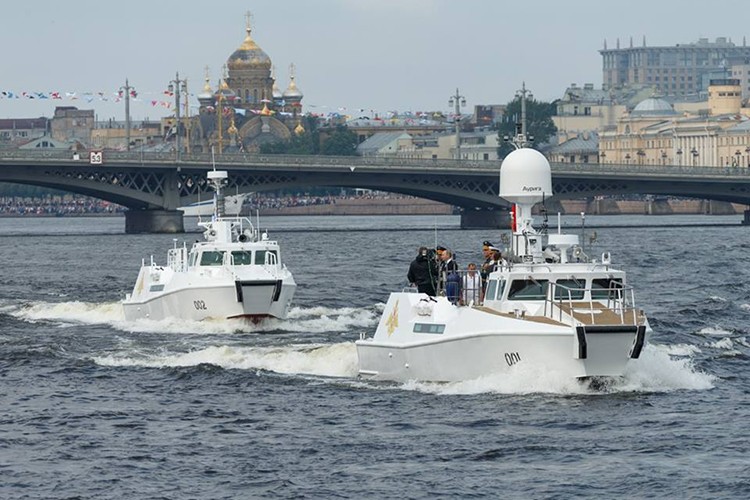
[{"x": 201, "y": 306}]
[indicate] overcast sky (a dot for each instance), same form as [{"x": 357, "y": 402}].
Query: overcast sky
[{"x": 377, "y": 55}]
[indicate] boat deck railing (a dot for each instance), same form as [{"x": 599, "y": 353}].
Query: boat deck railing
[
  {"x": 593, "y": 306},
  {"x": 177, "y": 259}
]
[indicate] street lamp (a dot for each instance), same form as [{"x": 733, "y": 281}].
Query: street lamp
[
  {"x": 663, "y": 157},
  {"x": 127, "y": 89},
  {"x": 627, "y": 158},
  {"x": 679, "y": 156},
  {"x": 177, "y": 86},
  {"x": 524, "y": 94},
  {"x": 737, "y": 155},
  {"x": 458, "y": 101},
  {"x": 640, "y": 154},
  {"x": 747, "y": 155},
  {"x": 602, "y": 157},
  {"x": 695, "y": 153}
]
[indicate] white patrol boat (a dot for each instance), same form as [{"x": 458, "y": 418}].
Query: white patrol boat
[
  {"x": 547, "y": 306},
  {"x": 235, "y": 273}
]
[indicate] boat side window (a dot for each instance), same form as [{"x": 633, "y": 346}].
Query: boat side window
[
  {"x": 491, "y": 288},
  {"x": 500, "y": 289},
  {"x": 212, "y": 258},
  {"x": 242, "y": 257},
  {"x": 266, "y": 257},
  {"x": 193, "y": 257},
  {"x": 570, "y": 289},
  {"x": 528, "y": 290},
  {"x": 495, "y": 288},
  {"x": 605, "y": 288}
]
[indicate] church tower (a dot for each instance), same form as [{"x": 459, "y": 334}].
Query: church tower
[{"x": 250, "y": 73}]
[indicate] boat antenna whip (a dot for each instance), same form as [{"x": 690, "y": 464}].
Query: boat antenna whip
[
  {"x": 545, "y": 222},
  {"x": 583, "y": 232}
]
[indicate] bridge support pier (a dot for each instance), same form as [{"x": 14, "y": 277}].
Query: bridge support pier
[
  {"x": 746, "y": 219},
  {"x": 153, "y": 221},
  {"x": 485, "y": 219}
]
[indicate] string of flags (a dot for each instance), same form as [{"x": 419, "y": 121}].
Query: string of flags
[
  {"x": 318, "y": 111},
  {"x": 87, "y": 97}
]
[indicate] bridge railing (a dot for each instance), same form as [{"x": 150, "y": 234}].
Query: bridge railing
[{"x": 205, "y": 160}]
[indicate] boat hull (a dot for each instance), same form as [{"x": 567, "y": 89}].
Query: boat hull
[
  {"x": 216, "y": 301},
  {"x": 473, "y": 343}
]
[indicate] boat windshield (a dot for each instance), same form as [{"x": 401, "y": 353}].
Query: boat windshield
[
  {"x": 605, "y": 288},
  {"x": 528, "y": 290},
  {"x": 570, "y": 289},
  {"x": 242, "y": 257},
  {"x": 263, "y": 257},
  {"x": 212, "y": 258}
]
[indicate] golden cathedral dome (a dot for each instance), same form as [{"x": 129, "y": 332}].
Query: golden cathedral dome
[
  {"x": 208, "y": 93},
  {"x": 292, "y": 91},
  {"x": 225, "y": 92},
  {"x": 299, "y": 129},
  {"x": 249, "y": 55}
]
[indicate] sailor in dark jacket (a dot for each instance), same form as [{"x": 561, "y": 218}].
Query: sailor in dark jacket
[{"x": 423, "y": 272}]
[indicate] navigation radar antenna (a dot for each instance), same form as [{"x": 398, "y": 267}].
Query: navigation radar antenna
[{"x": 525, "y": 180}]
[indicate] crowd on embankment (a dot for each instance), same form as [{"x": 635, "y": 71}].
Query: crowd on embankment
[
  {"x": 56, "y": 206},
  {"x": 371, "y": 203}
]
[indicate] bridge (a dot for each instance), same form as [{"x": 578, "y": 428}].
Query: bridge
[{"x": 153, "y": 185}]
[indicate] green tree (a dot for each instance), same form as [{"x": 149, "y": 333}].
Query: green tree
[
  {"x": 539, "y": 122},
  {"x": 342, "y": 142},
  {"x": 306, "y": 143}
]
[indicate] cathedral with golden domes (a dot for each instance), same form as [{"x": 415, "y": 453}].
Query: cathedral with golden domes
[{"x": 247, "y": 109}]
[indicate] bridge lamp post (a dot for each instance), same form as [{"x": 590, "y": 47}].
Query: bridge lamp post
[
  {"x": 640, "y": 154},
  {"x": 663, "y": 157},
  {"x": 695, "y": 154},
  {"x": 747, "y": 155},
  {"x": 126, "y": 89},
  {"x": 627, "y": 159},
  {"x": 602, "y": 157},
  {"x": 177, "y": 86},
  {"x": 737, "y": 155},
  {"x": 458, "y": 101},
  {"x": 679, "y": 156}
]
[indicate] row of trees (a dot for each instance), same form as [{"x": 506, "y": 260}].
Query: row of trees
[
  {"x": 339, "y": 142},
  {"x": 539, "y": 122}
]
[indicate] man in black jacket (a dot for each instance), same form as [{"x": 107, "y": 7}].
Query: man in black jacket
[{"x": 423, "y": 272}]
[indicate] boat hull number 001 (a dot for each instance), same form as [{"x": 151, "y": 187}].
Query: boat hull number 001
[{"x": 512, "y": 358}]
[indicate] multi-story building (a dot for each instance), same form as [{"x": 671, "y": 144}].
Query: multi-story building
[
  {"x": 679, "y": 70},
  {"x": 741, "y": 72},
  {"x": 15, "y": 131},
  {"x": 653, "y": 133},
  {"x": 71, "y": 124}
]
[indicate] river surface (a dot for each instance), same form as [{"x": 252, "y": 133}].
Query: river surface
[{"x": 97, "y": 407}]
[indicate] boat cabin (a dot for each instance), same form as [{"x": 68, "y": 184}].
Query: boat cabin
[{"x": 220, "y": 257}]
